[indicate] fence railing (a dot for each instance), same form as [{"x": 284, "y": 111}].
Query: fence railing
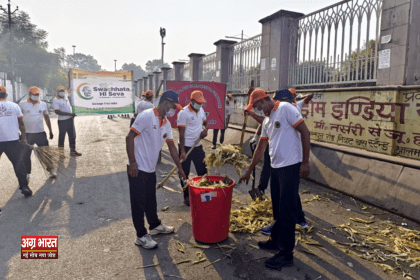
[
  {"x": 209, "y": 65},
  {"x": 186, "y": 72},
  {"x": 244, "y": 64},
  {"x": 326, "y": 46}
]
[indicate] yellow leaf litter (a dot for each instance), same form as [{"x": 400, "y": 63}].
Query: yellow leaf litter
[
  {"x": 226, "y": 154},
  {"x": 206, "y": 183}
]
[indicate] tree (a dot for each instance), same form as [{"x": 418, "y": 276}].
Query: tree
[
  {"x": 138, "y": 72},
  {"x": 154, "y": 66},
  {"x": 83, "y": 62}
]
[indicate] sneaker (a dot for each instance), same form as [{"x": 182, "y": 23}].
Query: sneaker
[
  {"x": 268, "y": 245},
  {"x": 26, "y": 190},
  {"x": 187, "y": 201},
  {"x": 214, "y": 147},
  {"x": 53, "y": 174},
  {"x": 161, "y": 229},
  {"x": 146, "y": 242},
  {"x": 74, "y": 153},
  {"x": 304, "y": 224},
  {"x": 278, "y": 261},
  {"x": 267, "y": 230}
]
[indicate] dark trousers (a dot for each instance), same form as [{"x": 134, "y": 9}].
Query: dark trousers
[
  {"x": 274, "y": 191},
  {"x": 222, "y": 136},
  {"x": 132, "y": 121},
  {"x": 66, "y": 126},
  {"x": 197, "y": 157},
  {"x": 143, "y": 201},
  {"x": 40, "y": 139},
  {"x": 266, "y": 170},
  {"x": 13, "y": 150},
  {"x": 286, "y": 180}
]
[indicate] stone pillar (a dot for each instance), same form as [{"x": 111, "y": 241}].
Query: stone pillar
[
  {"x": 139, "y": 86},
  {"x": 145, "y": 84},
  {"x": 135, "y": 92},
  {"x": 178, "y": 70},
  {"x": 165, "y": 71},
  {"x": 400, "y": 33},
  {"x": 222, "y": 60},
  {"x": 157, "y": 82},
  {"x": 276, "y": 32},
  {"x": 196, "y": 66},
  {"x": 150, "y": 81}
]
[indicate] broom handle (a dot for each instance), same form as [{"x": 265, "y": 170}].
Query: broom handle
[
  {"x": 246, "y": 117},
  {"x": 174, "y": 169}
]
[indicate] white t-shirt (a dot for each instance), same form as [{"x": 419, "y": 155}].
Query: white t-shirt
[
  {"x": 63, "y": 105},
  {"x": 284, "y": 139},
  {"x": 143, "y": 106},
  {"x": 136, "y": 103},
  {"x": 299, "y": 105},
  {"x": 150, "y": 138},
  {"x": 33, "y": 115},
  {"x": 193, "y": 123},
  {"x": 9, "y": 125}
]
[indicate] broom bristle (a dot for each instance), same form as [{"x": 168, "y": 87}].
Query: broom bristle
[{"x": 53, "y": 158}]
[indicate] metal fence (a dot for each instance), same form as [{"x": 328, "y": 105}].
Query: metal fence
[
  {"x": 186, "y": 72},
  {"x": 244, "y": 64},
  {"x": 326, "y": 46},
  {"x": 209, "y": 65}
]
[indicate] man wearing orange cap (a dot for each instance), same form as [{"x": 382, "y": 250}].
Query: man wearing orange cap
[
  {"x": 34, "y": 112},
  {"x": 143, "y": 104},
  {"x": 289, "y": 138},
  {"x": 10, "y": 123},
  {"x": 228, "y": 113},
  {"x": 62, "y": 108},
  {"x": 191, "y": 121}
]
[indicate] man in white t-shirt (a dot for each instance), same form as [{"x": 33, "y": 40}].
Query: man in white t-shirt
[
  {"x": 300, "y": 101},
  {"x": 191, "y": 121},
  {"x": 11, "y": 121},
  {"x": 150, "y": 131},
  {"x": 289, "y": 138},
  {"x": 228, "y": 113},
  {"x": 62, "y": 108},
  {"x": 34, "y": 113}
]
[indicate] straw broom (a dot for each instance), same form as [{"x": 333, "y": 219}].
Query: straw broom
[{"x": 50, "y": 158}]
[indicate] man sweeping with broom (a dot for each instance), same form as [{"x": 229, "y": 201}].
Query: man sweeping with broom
[
  {"x": 289, "y": 138},
  {"x": 10, "y": 124},
  {"x": 34, "y": 113},
  {"x": 147, "y": 135}
]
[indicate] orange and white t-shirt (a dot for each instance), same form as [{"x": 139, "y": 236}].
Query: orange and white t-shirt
[
  {"x": 33, "y": 115},
  {"x": 152, "y": 133},
  {"x": 193, "y": 123},
  {"x": 9, "y": 125},
  {"x": 284, "y": 139}
]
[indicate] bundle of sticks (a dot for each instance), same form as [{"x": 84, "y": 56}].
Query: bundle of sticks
[{"x": 50, "y": 158}]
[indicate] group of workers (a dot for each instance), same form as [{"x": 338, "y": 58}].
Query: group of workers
[
  {"x": 149, "y": 130},
  {"x": 284, "y": 142},
  {"x": 28, "y": 116}
]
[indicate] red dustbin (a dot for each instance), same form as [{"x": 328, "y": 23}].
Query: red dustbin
[{"x": 210, "y": 211}]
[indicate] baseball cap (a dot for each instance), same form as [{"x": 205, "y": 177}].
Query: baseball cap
[
  {"x": 197, "y": 96},
  {"x": 256, "y": 95},
  {"x": 283, "y": 95},
  {"x": 147, "y": 93},
  {"x": 34, "y": 90},
  {"x": 171, "y": 96},
  {"x": 59, "y": 88},
  {"x": 3, "y": 89}
]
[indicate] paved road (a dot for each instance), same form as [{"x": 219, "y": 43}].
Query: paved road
[{"x": 89, "y": 210}]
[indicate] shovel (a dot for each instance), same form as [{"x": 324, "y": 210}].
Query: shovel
[{"x": 254, "y": 192}]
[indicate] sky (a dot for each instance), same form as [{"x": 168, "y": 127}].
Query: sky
[{"x": 128, "y": 30}]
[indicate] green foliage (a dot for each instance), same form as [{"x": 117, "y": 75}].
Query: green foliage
[
  {"x": 138, "y": 72},
  {"x": 83, "y": 62},
  {"x": 154, "y": 66}
]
